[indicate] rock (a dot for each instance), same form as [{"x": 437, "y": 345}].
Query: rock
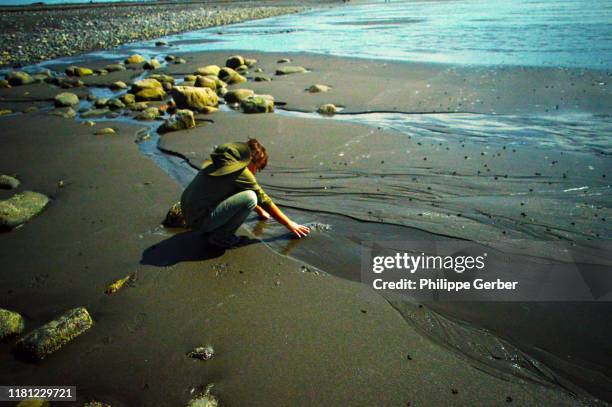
[
  {"x": 54, "y": 335},
  {"x": 89, "y": 123},
  {"x": 180, "y": 61},
  {"x": 316, "y": 88},
  {"x": 287, "y": 70},
  {"x": 119, "y": 85},
  {"x": 170, "y": 58},
  {"x": 4, "y": 112},
  {"x": 95, "y": 113},
  {"x": 262, "y": 78},
  {"x": 327, "y": 108},
  {"x": 237, "y": 95},
  {"x": 66, "y": 83},
  {"x": 151, "y": 94},
  {"x": 202, "y": 353},
  {"x": 205, "y": 82},
  {"x": 234, "y": 61},
  {"x": 208, "y": 70},
  {"x": 78, "y": 71},
  {"x": 150, "y": 113},
  {"x": 187, "y": 97},
  {"x": 135, "y": 59},
  {"x": 283, "y": 61},
  {"x": 183, "y": 119},
  {"x": 4, "y": 84},
  {"x": 152, "y": 64},
  {"x": 117, "y": 285},
  {"x": 105, "y": 131},
  {"x": 30, "y": 109},
  {"x": 11, "y": 323},
  {"x": 66, "y": 99},
  {"x": 230, "y": 76},
  {"x": 205, "y": 399},
  {"x": 161, "y": 78},
  {"x": 190, "y": 78},
  {"x": 8, "y": 182},
  {"x": 115, "y": 104},
  {"x": 258, "y": 104},
  {"x": 100, "y": 72},
  {"x": 161, "y": 43},
  {"x": 114, "y": 67},
  {"x": 102, "y": 102},
  {"x": 139, "y": 106},
  {"x": 146, "y": 84},
  {"x": 65, "y": 112},
  {"x": 250, "y": 62},
  {"x": 18, "y": 78},
  {"x": 128, "y": 98},
  {"x": 20, "y": 208}
]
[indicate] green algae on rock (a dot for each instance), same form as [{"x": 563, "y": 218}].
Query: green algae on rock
[
  {"x": 258, "y": 104},
  {"x": 78, "y": 71},
  {"x": 65, "y": 112},
  {"x": 118, "y": 85},
  {"x": 317, "y": 88},
  {"x": 183, "y": 119},
  {"x": 66, "y": 99},
  {"x": 188, "y": 97},
  {"x": 11, "y": 323},
  {"x": 8, "y": 182},
  {"x": 20, "y": 208},
  {"x": 289, "y": 69},
  {"x": 237, "y": 95},
  {"x": 152, "y": 64},
  {"x": 234, "y": 61},
  {"x": 149, "y": 113},
  {"x": 18, "y": 78},
  {"x": 205, "y": 82},
  {"x": 4, "y": 112},
  {"x": 208, "y": 70},
  {"x": 135, "y": 59},
  {"x": 54, "y": 335},
  {"x": 327, "y": 108},
  {"x": 105, "y": 131}
]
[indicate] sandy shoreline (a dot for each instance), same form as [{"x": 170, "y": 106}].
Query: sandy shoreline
[{"x": 280, "y": 333}]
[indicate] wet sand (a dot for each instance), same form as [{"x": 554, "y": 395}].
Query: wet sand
[{"x": 280, "y": 334}]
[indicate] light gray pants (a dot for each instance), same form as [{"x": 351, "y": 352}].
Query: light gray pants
[{"x": 227, "y": 217}]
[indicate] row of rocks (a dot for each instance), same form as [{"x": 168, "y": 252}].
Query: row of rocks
[{"x": 32, "y": 36}]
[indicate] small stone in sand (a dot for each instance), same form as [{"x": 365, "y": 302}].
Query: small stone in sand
[
  {"x": 4, "y": 112},
  {"x": 180, "y": 61},
  {"x": 128, "y": 98},
  {"x": 115, "y": 104},
  {"x": 316, "y": 88},
  {"x": 205, "y": 82},
  {"x": 66, "y": 99},
  {"x": 262, "y": 78},
  {"x": 118, "y": 85},
  {"x": 258, "y": 104},
  {"x": 152, "y": 64},
  {"x": 11, "y": 324},
  {"x": 327, "y": 108},
  {"x": 106, "y": 130},
  {"x": 208, "y": 70},
  {"x": 250, "y": 62},
  {"x": 234, "y": 61},
  {"x": 18, "y": 78},
  {"x": 161, "y": 43},
  {"x": 34, "y": 403},
  {"x": 55, "y": 334},
  {"x": 202, "y": 353},
  {"x": 20, "y": 208},
  {"x": 4, "y": 84},
  {"x": 149, "y": 113},
  {"x": 283, "y": 61},
  {"x": 30, "y": 109},
  {"x": 135, "y": 59},
  {"x": 66, "y": 112},
  {"x": 204, "y": 400},
  {"x": 287, "y": 70},
  {"x": 8, "y": 182}
]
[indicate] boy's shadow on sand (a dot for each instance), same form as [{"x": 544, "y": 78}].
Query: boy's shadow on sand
[{"x": 181, "y": 247}]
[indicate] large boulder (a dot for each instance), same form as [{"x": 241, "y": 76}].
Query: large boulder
[
  {"x": 17, "y": 78},
  {"x": 188, "y": 97},
  {"x": 183, "y": 119},
  {"x": 289, "y": 69},
  {"x": 234, "y": 61},
  {"x": 20, "y": 208},
  {"x": 209, "y": 70},
  {"x": 258, "y": 104},
  {"x": 11, "y": 323},
  {"x": 250, "y": 62},
  {"x": 55, "y": 334},
  {"x": 148, "y": 89},
  {"x": 4, "y": 84},
  {"x": 205, "y": 82},
  {"x": 161, "y": 78},
  {"x": 135, "y": 59},
  {"x": 237, "y": 95},
  {"x": 65, "y": 112},
  {"x": 65, "y": 99}
]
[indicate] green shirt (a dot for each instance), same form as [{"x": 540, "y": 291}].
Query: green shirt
[{"x": 205, "y": 192}]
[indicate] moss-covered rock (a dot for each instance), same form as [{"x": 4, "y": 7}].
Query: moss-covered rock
[
  {"x": 289, "y": 69},
  {"x": 231, "y": 76},
  {"x": 20, "y": 208},
  {"x": 115, "y": 104},
  {"x": 135, "y": 59},
  {"x": 169, "y": 58},
  {"x": 128, "y": 98},
  {"x": 234, "y": 61},
  {"x": 151, "y": 94},
  {"x": 54, "y": 335},
  {"x": 261, "y": 78},
  {"x": 8, "y": 182},
  {"x": 65, "y": 112},
  {"x": 327, "y": 108},
  {"x": 161, "y": 78},
  {"x": 183, "y": 119},
  {"x": 11, "y": 323},
  {"x": 250, "y": 62},
  {"x": 119, "y": 85},
  {"x": 4, "y": 84},
  {"x": 65, "y": 99},
  {"x": 237, "y": 95},
  {"x": 180, "y": 61},
  {"x": 105, "y": 131},
  {"x": 152, "y": 64},
  {"x": 174, "y": 217},
  {"x": 208, "y": 70},
  {"x": 205, "y": 82},
  {"x": 34, "y": 403},
  {"x": 283, "y": 61},
  {"x": 318, "y": 88},
  {"x": 188, "y": 97},
  {"x": 149, "y": 113},
  {"x": 258, "y": 104},
  {"x": 4, "y": 112},
  {"x": 18, "y": 78},
  {"x": 102, "y": 102},
  {"x": 78, "y": 71}
]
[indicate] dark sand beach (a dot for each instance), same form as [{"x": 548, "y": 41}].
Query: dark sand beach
[{"x": 290, "y": 323}]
